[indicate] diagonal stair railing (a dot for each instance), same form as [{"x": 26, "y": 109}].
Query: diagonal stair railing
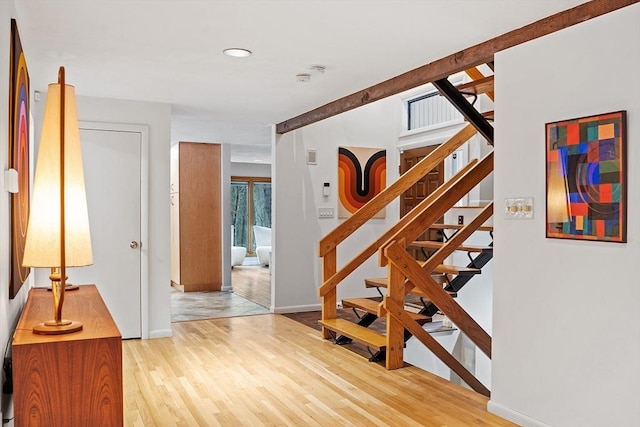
[
  {"x": 331, "y": 276},
  {"x": 400, "y": 267},
  {"x": 404, "y": 272}
]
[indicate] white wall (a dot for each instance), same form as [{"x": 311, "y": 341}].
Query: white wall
[
  {"x": 9, "y": 309},
  {"x": 158, "y": 118},
  {"x": 251, "y": 169},
  {"x": 566, "y": 332},
  {"x": 298, "y": 194}
]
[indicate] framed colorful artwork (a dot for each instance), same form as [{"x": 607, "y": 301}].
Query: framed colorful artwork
[
  {"x": 18, "y": 158},
  {"x": 587, "y": 178},
  {"x": 362, "y": 173}
]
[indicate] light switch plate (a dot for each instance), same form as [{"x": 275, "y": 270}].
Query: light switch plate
[
  {"x": 325, "y": 212},
  {"x": 518, "y": 208}
]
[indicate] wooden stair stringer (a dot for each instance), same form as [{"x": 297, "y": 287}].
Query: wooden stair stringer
[
  {"x": 435, "y": 347},
  {"x": 398, "y": 256}
]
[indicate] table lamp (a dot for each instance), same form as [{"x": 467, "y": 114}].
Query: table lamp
[
  {"x": 558, "y": 206},
  {"x": 58, "y": 233}
]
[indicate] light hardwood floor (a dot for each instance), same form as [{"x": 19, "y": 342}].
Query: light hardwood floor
[
  {"x": 252, "y": 282},
  {"x": 268, "y": 370}
]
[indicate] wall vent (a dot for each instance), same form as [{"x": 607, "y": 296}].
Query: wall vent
[{"x": 312, "y": 157}]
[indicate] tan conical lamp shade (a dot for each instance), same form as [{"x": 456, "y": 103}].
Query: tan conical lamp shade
[
  {"x": 42, "y": 248},
  {"x": 557, "y": 196}
]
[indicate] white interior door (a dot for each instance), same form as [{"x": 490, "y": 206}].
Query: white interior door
[{"x": 112, "y": 170}]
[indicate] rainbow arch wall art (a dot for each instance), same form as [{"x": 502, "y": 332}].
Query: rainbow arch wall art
[
  {"x": 18, "y": 158},
  {"x": 362, "y": 173}
]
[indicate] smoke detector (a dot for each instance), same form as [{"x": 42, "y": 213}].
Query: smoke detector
[
  {"x": 303, "y": 77},
  {"x": 318, "y": 68}
]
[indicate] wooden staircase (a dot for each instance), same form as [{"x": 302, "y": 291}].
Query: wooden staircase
[{"x": 433, "y": 283}]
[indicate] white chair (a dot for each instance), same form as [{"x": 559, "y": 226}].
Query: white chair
[
  {"x": 262, "y": 237},
  {"x": 237, "y": 252}
]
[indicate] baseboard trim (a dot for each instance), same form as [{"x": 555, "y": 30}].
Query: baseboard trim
[
  {"x": 514, "y": 416},
  {"x": 160, "y": 333},
  {"x": 296, "y": 308}
]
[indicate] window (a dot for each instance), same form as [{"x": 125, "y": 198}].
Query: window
[
  {"x": 250, "y": 205},
  {"x": 430, "y": 109}
]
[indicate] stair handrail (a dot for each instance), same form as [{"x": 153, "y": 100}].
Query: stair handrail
[
  {"x": 333, "y": 281},
  {"x": 405, "y": 272},
  {"x": 461, "y": 184},
  {"x": 386, "y": 196}
]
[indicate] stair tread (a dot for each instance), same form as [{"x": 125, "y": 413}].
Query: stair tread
[
  {"x": 382, "y": 282},
  {"x": 457, "y": 270},
  {"x": 483, "y": 85},
  {"x": 356, "y": 332},
  {"x": 436, "y": 245},
  {"x": 458, "y": 227},
  {"x": 371, "y": 306}
]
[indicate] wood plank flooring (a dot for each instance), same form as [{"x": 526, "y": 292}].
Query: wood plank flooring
[
  {"x": 252, "y": 282},
  {"x": 269, "y": 370}
]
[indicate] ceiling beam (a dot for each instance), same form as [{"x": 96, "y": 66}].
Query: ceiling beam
[{"x": 459, "y": 61}]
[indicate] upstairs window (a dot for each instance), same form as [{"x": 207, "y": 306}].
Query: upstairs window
[{"x": 430, "y": 109}]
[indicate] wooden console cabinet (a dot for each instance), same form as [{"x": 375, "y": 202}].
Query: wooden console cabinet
[{"x": 72, "y": 380}]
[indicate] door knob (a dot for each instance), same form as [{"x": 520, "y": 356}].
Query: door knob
[{"x": 133, "y": 244}]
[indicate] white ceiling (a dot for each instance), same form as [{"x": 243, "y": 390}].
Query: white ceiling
[{"x": 171, "y": 51}]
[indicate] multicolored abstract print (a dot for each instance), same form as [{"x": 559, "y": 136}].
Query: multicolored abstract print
[
  {"x": 586, "y": 178},
  {"x": 19, "y": 159}
]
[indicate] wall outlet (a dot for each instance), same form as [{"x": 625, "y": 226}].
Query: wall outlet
[{"x": 460, "y": 219}]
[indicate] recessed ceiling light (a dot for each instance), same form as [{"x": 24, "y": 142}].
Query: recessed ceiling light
[{"x": 237, "y": 52}]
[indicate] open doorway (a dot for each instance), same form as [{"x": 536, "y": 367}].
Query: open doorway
[
  {"x": 197, "y": 304},
  {"x": 251, "y": 231}
]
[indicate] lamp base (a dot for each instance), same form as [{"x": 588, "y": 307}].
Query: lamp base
[{"x": 52, "y": 327}]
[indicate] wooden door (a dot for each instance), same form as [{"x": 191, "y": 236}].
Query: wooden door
[
  {"x": 413, "y": 196},
  {"x": 200, "y": 216}
]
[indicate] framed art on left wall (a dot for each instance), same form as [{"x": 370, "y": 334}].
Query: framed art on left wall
[{"x": 18, "y": 157}]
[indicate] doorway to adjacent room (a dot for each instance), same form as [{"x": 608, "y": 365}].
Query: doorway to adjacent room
[{"x": 251, "y": 225}]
